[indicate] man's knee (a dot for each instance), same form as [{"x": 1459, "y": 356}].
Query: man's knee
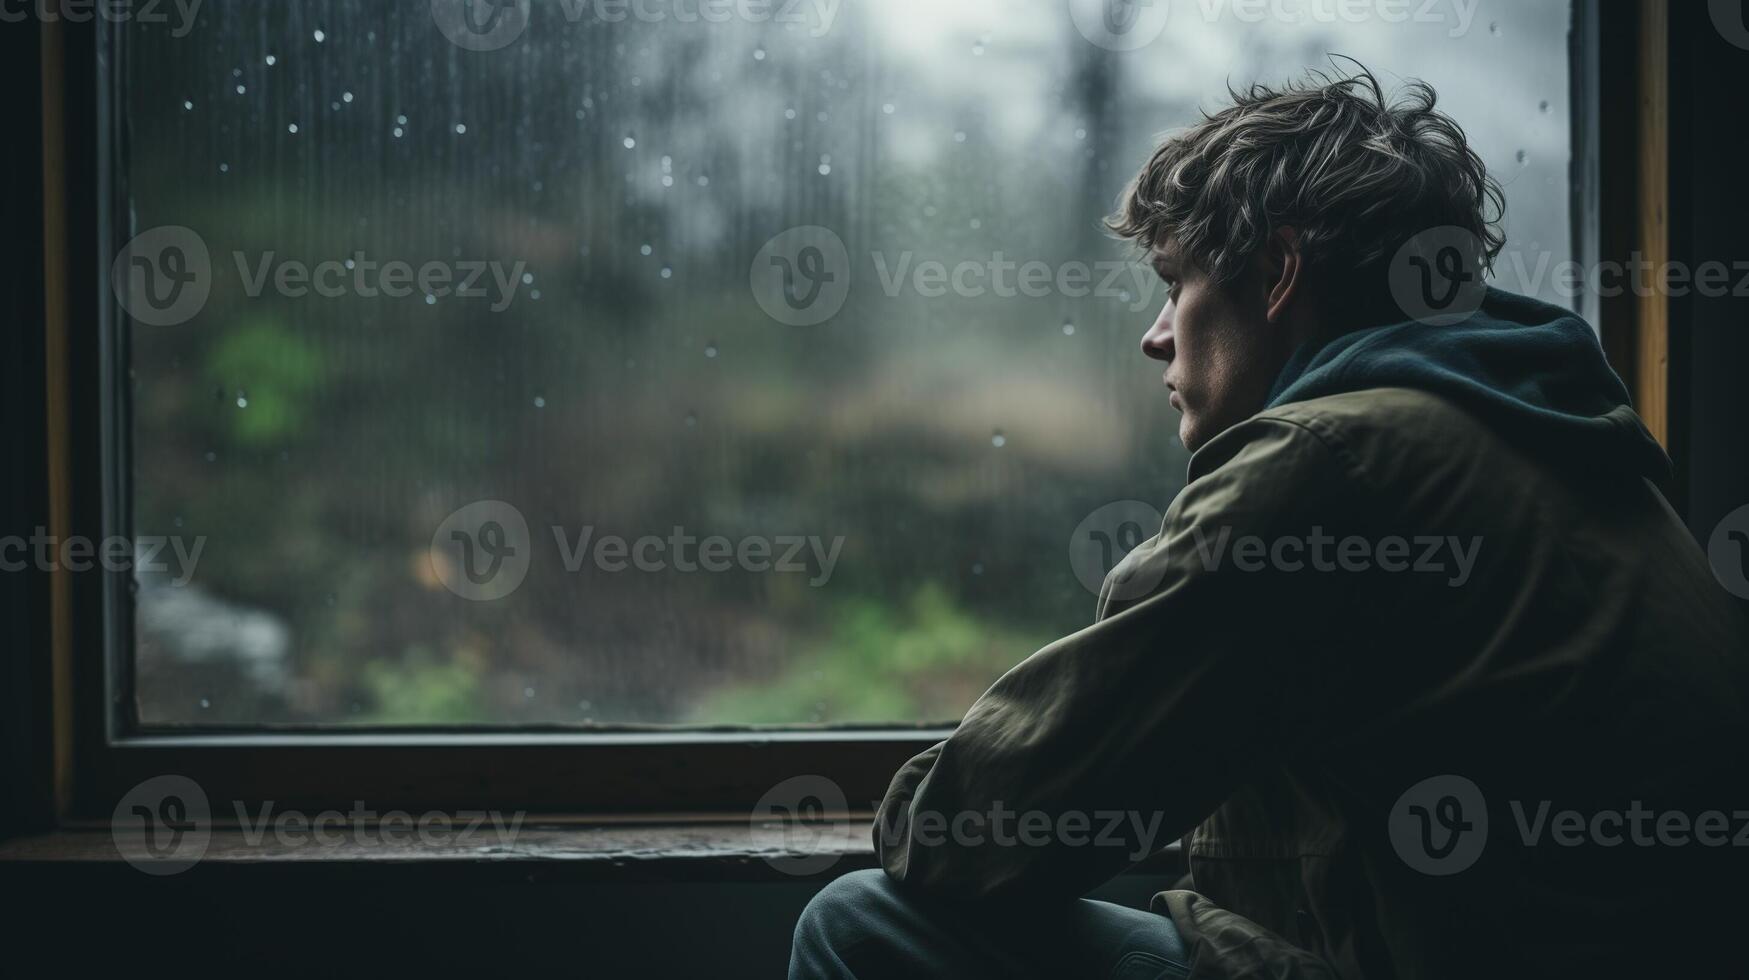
[
  {"x": 845, "y": 908},
  {"x": 847, "y": 913}
]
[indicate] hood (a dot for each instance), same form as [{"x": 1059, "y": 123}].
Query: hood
[{"x": 1533, "y": 372}]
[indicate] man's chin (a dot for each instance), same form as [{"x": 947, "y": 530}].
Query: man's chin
[{"x": 1189, "y": 434}]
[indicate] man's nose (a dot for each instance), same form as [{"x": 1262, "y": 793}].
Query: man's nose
[{"x": 1157, "y": 342}]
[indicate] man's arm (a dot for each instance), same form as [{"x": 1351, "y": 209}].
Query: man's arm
[{"x": 1117, "y": 739}]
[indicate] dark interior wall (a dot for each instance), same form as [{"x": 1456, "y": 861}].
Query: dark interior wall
[
  {"x": 343, "y": 919},
  {"x": 1709, "y": 222},
  {"x": 24, "y": 595}
]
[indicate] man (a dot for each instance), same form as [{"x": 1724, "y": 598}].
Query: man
[{"x": 1421, "y": 662}]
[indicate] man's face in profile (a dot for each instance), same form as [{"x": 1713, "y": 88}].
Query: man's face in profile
[{"x": 1221, "y": 352}]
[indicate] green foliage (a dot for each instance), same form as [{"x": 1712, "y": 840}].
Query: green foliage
[
  {"x": 924, "y": 660},
  {"x": 272, "y": 372},
  {"x": 419, "y": 690}
]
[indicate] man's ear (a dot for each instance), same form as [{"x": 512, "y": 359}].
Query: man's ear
[{"x": 1283, "y": 272}]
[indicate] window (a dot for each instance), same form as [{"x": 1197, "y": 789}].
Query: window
[{"x": 608, "y": 367}]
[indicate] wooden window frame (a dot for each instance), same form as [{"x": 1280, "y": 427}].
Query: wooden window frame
[{"x": 597, "y": 772}]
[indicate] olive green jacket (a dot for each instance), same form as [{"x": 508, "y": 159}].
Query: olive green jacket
[{"x": 1371, "y": 753}]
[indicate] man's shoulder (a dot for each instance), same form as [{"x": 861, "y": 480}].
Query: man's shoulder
[
  {"x": 1363, "y": 431},
  {"x": 1400, "y": 415}
]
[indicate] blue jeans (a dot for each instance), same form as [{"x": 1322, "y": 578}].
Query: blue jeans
[{"x": 863, "y": 926}]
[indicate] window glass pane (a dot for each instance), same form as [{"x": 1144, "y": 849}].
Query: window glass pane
[{"x": 789, "y": 351}]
